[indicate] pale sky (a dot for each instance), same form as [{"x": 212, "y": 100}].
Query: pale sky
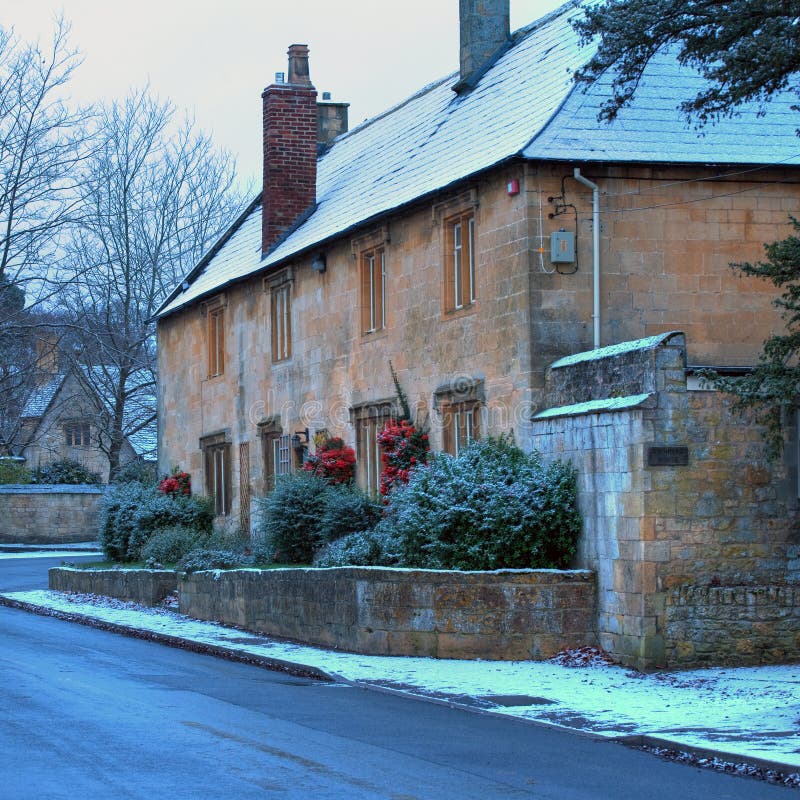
[{"x": 213, "y": 58}]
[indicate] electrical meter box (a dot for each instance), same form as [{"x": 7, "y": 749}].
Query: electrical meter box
[{"x": 562, "y": 247}]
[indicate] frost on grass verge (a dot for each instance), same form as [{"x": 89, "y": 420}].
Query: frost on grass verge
[{"x": 103, "y": 601}]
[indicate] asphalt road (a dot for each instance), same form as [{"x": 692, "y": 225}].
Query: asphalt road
[{"x": 89, "y": 714}]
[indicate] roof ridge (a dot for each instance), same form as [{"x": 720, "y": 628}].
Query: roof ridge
[{"x": 516, "y": 36}]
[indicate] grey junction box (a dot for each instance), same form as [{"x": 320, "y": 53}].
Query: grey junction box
[{"x": 562, "y": 247}]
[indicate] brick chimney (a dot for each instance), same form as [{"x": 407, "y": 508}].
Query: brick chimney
[
  {"x": 485, "y": 33},
  {"x": 290, "y": 148}
]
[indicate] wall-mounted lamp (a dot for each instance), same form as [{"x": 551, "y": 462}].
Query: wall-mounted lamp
[
  {"x": 319, "y": 263},
  {"x": 300, "y": 439}
]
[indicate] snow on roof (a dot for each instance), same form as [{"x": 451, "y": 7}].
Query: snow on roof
[
  {"x": 595, "y": 406},
  {"x": 527, "y": 105},
  {"x": 653, "y": 129},
  {"x": 614, "y": 350},
  {"x": 41, "y": 397},
  {"x": 430, "y": 141}
]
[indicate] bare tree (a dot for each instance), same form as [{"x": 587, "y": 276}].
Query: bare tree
[
  {"x": 41, "y": 145},
  {"x": 155, "y": 194}
]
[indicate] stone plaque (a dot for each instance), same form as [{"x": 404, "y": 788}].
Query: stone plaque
[{"x": 667, "y": 455}]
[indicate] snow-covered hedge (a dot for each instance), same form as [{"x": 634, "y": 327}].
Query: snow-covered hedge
[
  {"x": 304, "y": 512},
  {"x": 492, "y": 507},
  {"x": 132, "y": 512}
]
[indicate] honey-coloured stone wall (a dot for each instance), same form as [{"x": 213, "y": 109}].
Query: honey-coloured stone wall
[
  {"x": 725, "y": 517},
  {"x": 502, "y": 615},
  {"x": 148, "y": 587},
  {"x": 668, "y": 235},
  {"x": 44, "y": 514}
]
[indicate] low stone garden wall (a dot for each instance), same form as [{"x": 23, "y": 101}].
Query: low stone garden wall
[
  {"x": 736, "y": 625},
  {"x": 147, "y": 587},
  {"x": 503, "y": 615},
  {"x": 49, "y": 514},
  {"x": 513, "y": 614}
]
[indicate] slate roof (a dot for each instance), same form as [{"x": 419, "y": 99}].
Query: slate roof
[
  {"x": 41, "y": 397},
  {"x": 525, "y": 105}
]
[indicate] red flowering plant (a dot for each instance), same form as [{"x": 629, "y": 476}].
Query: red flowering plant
[
  {"x": 404, "y": 446},
  {"x": 333, "y": 460},
  {"x": 179, "y": 484}
]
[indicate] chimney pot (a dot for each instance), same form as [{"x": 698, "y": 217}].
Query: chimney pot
[
  {"x": 280, "y": 77},
  {"x": 298, "y": 65}
]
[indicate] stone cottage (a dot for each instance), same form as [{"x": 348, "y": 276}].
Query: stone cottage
[
  {"x": 473, "y": 235},
  {"x": 65, "y": 418}
]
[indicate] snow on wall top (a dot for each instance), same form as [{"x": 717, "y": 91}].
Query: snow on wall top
[
  {"x": 525, "y": 104},
  {"x": 614, "y": 350},
  {"x": 595, "y": 406}
]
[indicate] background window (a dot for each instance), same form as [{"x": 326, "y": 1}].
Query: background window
[
  {"x": 216, "y": 341},
  {"x": 281, "y": 323},
  {"x": 77, "y": 434},
  {"x": 373, "y": 290},
  {"x": 459, "y": 261}
]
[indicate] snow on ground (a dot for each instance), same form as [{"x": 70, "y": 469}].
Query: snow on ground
[{"x": 751, "y": 712}]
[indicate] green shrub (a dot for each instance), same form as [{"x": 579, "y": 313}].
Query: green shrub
[
  {"x": 65, "y": 471},
  {"x": 13, "y": 471},
  {"x": 170, "y": 545},
  {"x": 143, "y": 472},
  {"x": 228, "y": 538},
  {"x": 202, "y": 558},
  {"x": 345, "y": 510},
  {"x": 131, "y": 513},
  {"x": 290, "y": 518},
  {"x": 492, "y": 507},
  {"x": 379, "y": 547}
]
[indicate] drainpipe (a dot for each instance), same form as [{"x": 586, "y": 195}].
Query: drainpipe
[{"x": 595, "y": 251}]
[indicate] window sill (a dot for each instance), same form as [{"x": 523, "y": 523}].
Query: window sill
[
  {"x": 465, "y": 311},
  {"x": 370, "y": 336}
]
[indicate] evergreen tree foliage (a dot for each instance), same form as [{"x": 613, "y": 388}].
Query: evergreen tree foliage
[
  {"x": 774, "y": 385},
  {"x": 748, "y": 50}
]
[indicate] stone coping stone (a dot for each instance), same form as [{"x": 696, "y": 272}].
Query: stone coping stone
[{"x": 495, "y": 575}]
